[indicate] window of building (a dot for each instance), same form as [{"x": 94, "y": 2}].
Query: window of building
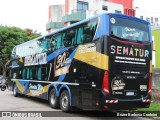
[
  {"x": 82, "y": 5},
  {"x": 104, "y": 7},
  {"x": 118, "y": 12},
  {"x": 156, "y": 20},
  {"x": 151, "y": 19},
  {"x": 141, "y": 17},
  {"x": 147, "y": 19}
]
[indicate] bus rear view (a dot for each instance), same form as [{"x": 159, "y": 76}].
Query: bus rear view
[
  {"x": 127, "y": 83},
  {"x": 101, "y": 63}
]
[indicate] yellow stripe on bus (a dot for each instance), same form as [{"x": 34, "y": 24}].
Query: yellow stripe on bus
[
  {"x": 20, "y": 87},
  {"x": 150, "y": 66},
  {"x": 102, "y": 61},
  {"x": 92, "y": 57}
]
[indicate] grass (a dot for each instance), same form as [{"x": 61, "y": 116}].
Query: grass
[
  {"x": 156, "y": 34},
  {"x": 155, "y": 106},
  {"x": 153, "y": 109}
]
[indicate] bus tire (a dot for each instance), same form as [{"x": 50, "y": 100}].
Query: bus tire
[
  {"x": 65, "y": 101},
  {"x": 53, "y": 99},
  {"x": 15, "y": 94}
]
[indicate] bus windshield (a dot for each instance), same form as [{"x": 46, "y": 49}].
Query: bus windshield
[{"x": 129, "y": 29}]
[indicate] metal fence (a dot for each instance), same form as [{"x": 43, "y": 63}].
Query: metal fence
[{"x": 156, "y": 78}]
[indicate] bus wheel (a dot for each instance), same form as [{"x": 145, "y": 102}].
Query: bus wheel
[
  {"x": 15, "y": 94},
  {"x": 64, "y": 101},
  {"x": 53, "y": 99},
  {"x": 3, "y": 88}
]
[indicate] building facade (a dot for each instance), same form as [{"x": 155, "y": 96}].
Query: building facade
[
  {"x": 128, "y": 6},
  {"x": 153, "y": 18},
  {"x": 75, "y": 10}
]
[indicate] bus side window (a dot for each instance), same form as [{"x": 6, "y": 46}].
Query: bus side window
[
  {"x": 69, "y": 38},
  {"x": 57, "y": 40},
  {"x": 79, "y": 35},
  {"x": 86, "y": 37},
  {"x": 24, "y": 73},
  {"x": 28, "y": 73},
  {"x": 39, "y": 73},
  {"x": 33, "y": 74},
  {"x": 86, "y": 32},
  {"x": 44, "y": 73},
  {"x": 53, "y": 42},
  {"x": 94, "y": 27},
  {"x": 74, "y": 36},
  {"x": 89, "y": 31},
  {"x": 19, "y": 73},
  {"x": 44, "y": 45}
]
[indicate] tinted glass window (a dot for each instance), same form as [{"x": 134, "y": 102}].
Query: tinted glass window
[
  {"x": 129, "y": 29},
  {"x": 82, "y": 33},
  {"x": 86, "y": 31},
  {"x": 58, "y": 40},
  {"x": 70, "y": 37}
]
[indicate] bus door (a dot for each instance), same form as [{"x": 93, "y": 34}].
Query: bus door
[{"x": 87, "y": 87}]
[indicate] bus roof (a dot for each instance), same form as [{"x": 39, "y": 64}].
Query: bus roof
[{"x": 83, "y": 21}]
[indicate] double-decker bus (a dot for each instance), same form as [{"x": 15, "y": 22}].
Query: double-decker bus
[{"x": 101, "y": 63}]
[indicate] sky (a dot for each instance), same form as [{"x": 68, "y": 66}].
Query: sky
[
  {"x": 33, "y": 14},
  {"x": 151, "y": 6}
]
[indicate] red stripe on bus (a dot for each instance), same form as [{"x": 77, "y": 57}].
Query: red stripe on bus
[{"x": 127, "y": 42}]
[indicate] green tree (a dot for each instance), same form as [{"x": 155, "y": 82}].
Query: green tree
[{"x": 10, "y": 37}]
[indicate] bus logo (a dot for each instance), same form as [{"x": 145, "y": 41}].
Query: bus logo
[
  {"x": 118, "y": 83},
  {"x": 113, "y": 21}
]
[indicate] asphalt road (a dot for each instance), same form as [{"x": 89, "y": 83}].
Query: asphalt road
[{"x": 25, "y": 107}]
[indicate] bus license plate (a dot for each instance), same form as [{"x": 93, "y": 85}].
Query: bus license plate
[{"x": 130, "y": 94}]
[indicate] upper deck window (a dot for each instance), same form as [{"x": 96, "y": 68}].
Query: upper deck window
[
  {"x": 80, "y": 34},
  {"x": 129, "y": 29}
]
